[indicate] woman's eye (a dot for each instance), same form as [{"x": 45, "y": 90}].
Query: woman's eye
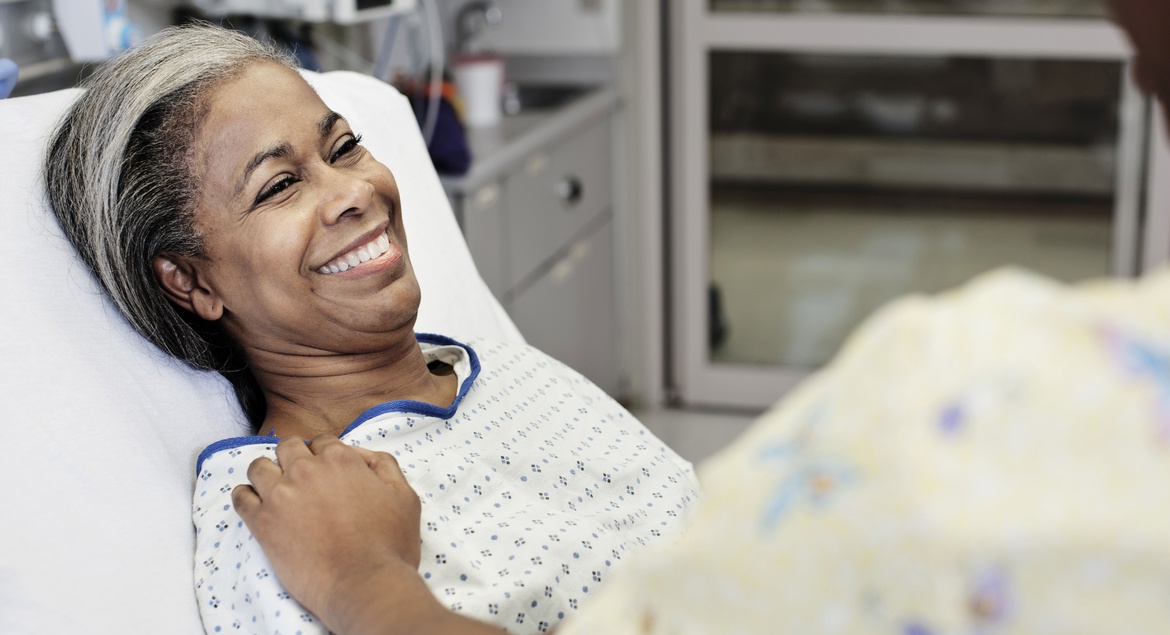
[
  {"x": 277, "y": 188},
  {"x": 350, "y": 144}
]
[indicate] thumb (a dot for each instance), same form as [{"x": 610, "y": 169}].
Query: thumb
[{"x": 246, "y": 501}]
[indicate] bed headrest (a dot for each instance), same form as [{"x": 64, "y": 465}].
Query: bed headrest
[{"x": 102, "y": 430}]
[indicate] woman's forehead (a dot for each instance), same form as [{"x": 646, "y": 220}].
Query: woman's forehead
[
  {"x": 268, "y": 109},
  {"x": 264, "y": 90}
]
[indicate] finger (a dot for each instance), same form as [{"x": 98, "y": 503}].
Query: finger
[
  {"x": 383, "y": 464},
  {"x": 323, "y": 441},
  {"x": 335, "y": 451},
  {"x": 246, "y": 501},
  {"x": 290, "y": 449},
  {"x": 264, "y": 474}
]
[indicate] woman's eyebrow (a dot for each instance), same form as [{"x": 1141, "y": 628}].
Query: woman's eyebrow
[
  {"x": 278, "y": 151},
  {"x": 281, "y": 150},
  {"x": 325, "y": 126}
]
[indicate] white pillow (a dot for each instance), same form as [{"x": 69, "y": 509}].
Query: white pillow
[{"x": 101, "y": 430}]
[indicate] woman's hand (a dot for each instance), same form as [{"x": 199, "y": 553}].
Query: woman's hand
[
  {"x": 331, "y": 519},
  {"x": 340, "y": 526}
]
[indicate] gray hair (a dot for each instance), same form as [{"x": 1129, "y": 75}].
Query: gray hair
[{"x": 119, "y": 180}]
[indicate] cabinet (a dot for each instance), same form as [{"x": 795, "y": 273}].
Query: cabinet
[
  {"x": 554, "y": 195},
  {"x": 828, "y": 156},
  {"x": 537, "y": 212},
  {"x": 481, "y": 217},
  {"x": 568, "y": 310}
]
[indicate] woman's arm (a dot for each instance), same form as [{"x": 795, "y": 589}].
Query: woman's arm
[{"x": 340, "y": 526}]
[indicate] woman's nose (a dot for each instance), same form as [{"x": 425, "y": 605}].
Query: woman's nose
[{"x": 344, "y": 195}]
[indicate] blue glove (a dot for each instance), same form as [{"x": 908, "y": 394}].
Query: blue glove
[{"x": 8, "y": 73}]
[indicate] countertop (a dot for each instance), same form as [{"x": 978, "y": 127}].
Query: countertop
[{"x": 496, "y": 149}]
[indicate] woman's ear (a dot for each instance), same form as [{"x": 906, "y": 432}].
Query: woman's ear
[{"x": 179, "y": 279}]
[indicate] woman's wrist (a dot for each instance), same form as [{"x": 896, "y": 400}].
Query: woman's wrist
[
  {"x": 390, "y": 599},
  {"x": 385, "y": 598}
]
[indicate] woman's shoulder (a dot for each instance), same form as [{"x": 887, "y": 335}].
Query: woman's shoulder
[
  {"x": 232, "y": 451},
  {"x": 496, "y": 350},
  {"x": 476, "y": 342}
]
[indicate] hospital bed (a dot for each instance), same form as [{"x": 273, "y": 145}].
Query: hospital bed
[
  {"x": 1058, "y": 399},
  {"x": 101, "y": 430}
]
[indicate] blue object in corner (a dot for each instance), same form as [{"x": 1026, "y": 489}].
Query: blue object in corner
[{"x": 8, "y": 74}]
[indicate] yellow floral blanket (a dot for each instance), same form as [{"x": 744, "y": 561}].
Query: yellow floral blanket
[{"x": 992, "y": 460}]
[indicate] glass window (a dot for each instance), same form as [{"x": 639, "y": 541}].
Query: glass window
[{"x": 841, "y": 182}]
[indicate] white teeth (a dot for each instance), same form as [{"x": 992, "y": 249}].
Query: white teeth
[{"x": 365, "y": 253}]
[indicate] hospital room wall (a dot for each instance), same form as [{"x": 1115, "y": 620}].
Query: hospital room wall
[
  {"x": 640, "y": 190},
  {"x": 642, "y": 227}
]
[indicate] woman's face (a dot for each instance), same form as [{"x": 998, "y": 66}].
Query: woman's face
[{"x": 304, "y": 248}]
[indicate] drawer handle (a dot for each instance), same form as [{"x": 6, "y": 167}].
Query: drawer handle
[{"x": 569, "y": 190}]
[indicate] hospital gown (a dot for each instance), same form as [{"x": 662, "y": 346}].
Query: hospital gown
[
  {"x": 992, "y": 461},
  {"x": 535, "y": 485}
]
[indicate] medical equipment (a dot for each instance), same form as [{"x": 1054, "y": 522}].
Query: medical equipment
[
  {"x": 473, "y": 17},
  {"x": 103, "y": 429},
  {"x": 29, "y": 39},
  {"x": 422, "y": 25},
  {"x": 93, "y": 31},
  {"x": 50, "y": 40},
  {"x": 340, "y": 11}
]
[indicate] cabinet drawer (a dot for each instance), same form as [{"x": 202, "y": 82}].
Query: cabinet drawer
[
  {"x": 569, "y": 312},
  {"x": 481, "y": 217},
  {"x": 554, "y": 195}
]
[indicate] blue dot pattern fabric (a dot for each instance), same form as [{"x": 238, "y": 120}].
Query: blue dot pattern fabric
[{"x": 535, "y": 486}]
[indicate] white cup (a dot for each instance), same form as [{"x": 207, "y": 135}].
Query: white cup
[{"x": 480, "y": 81}]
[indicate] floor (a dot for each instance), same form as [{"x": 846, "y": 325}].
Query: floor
[{"x": 695, "y": 434}]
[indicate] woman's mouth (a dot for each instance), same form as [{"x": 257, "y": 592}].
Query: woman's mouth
[{"x": 365, "y": 253}]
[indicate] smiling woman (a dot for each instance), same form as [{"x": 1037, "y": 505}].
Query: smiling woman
[
  {"x": 117, "y": 178},
  {"x": 239, "y": 224},
  {"x": 286, "y": 191}
]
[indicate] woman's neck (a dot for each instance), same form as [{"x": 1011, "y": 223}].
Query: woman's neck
[{"x": 323, "y": 395}]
